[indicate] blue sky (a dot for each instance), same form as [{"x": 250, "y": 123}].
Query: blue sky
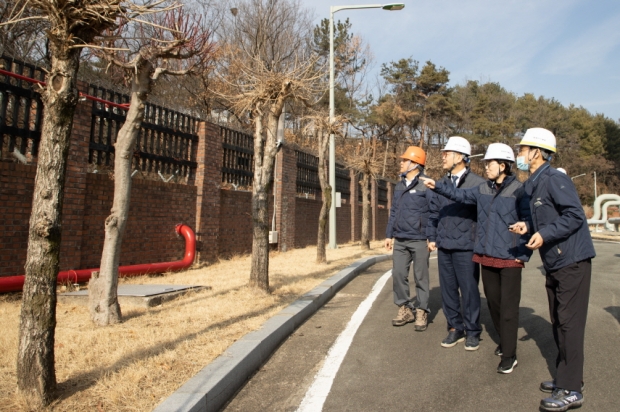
[{"x": 565, "y": 49}]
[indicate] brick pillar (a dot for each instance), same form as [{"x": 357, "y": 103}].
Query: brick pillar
[
  {"x": 374, "y": 206},
  {"x": 354, "y": 188},
  {"x": 285, "y": 179},
  {"x": 75, "y": 186},
  {"x": 209, "y": 155}
]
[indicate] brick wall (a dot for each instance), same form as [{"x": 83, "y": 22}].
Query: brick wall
[
  {"x": 16, "y": 188},
  {"x": 235, "y": 228},
  {"x": 156, "y": 208},
  {"x": 307, "y": 222},
  {"x": 221, "y": 218}
]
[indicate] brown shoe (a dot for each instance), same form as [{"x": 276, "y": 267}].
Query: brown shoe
[
  {"x": 421, "y": 320},
  {"x": 405, "y": 315}
]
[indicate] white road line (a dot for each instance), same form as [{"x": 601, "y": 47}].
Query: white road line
[{"x": 317, "y": 393}]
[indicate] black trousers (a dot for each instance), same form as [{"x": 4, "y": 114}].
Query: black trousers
[
  {"x": 568, "y": 290},
  {"x": 502, "y": 288}
]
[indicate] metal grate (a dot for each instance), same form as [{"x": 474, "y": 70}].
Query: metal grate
[
  {"x": 21, "y": 109},
  {"x": 238, "y": 166},
  {"x": 165, "y": 141},
  {"x": 343, "y": 182},
  {"x": 307, "y": 174},
  {"x": 383, "y": 192}
]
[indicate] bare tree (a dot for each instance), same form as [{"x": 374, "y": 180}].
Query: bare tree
[
  {"x": 173, "y": 43},
  {"x": 266, "y": 59},
  {"x": 320, "y": 126},
  {"x": 376, "y": 129},
  {"x": 70, "y": 26}
]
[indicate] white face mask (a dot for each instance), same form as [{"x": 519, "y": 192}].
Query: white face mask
[{"x": 521, "y": 165}]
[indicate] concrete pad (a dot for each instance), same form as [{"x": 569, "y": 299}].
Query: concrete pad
[{"x": 146, "y": 296}]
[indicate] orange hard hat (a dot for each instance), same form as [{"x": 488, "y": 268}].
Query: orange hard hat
[{"x": 415, "y": 154}]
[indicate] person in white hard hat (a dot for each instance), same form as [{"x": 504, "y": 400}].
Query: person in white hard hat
[
  {"x": 561, "y": 234},
  {"x": 500, "y": 202},
  {"x": 450, "y": 231}
]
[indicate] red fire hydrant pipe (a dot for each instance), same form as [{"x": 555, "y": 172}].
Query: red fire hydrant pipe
[{"x": 16, "y": 283}]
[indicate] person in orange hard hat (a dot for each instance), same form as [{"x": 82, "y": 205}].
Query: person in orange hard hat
[{"x": 406, "y": 236}]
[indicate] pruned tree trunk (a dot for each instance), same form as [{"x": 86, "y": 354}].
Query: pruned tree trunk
[
  {"x": 36, "y": 377},
  {"x": 365, "y": 240},
  {"x": 265, "y": 151},
  {"x": 326, "y": 195},
  {"x": 103, "y": 286}
]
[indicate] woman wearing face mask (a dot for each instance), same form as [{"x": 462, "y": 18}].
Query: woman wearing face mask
[{"x": 500, "y": 201}]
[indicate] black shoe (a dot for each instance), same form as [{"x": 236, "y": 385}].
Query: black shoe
[
  {"x": 498, "y": 350},
  {"x": 507, "y": 364},
  {"x": 549, "y": 386},
  {"x": 454, "y": 337},
  {"x": 562, "y": 400},
  {"x": 472, "y": 343}
]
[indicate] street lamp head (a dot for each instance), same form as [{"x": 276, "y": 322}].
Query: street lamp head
[{"x": 393, "y": 6}]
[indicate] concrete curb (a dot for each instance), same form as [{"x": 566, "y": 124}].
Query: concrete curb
[{"x": 213, "y": 386}]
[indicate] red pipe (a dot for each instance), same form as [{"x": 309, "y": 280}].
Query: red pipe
[
  {"x": 16, "y": 283},
  {"x": 124, "y": 106}
]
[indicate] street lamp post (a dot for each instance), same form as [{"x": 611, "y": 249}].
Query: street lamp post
[{"x": 332, "y": 143}]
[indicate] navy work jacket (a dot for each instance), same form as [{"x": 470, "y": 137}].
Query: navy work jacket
[
  {"x": 557, "y": 215},
  {"x": 409, "y": 211},
  {"x": 496, "y": 210},
  {"x": 452, "y": 225}
]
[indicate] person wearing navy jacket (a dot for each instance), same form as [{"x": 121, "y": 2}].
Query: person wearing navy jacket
[
  {"x": 406, "y": 236},
  {"x": 562, "y": 236},
  {"x": 501, "y": 202},
  {"x": 451, "y": 231}
]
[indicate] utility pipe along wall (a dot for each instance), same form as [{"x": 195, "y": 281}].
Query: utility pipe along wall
[{"x": 16, "y": 283}]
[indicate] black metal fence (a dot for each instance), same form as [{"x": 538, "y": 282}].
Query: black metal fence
[
  {"x": 307, "y": 174},
  {"x": 165, "y": 141},
  {"x": 238, "y": 167},
  {"x": 382, "y": 188},
  {"x": 343, "y": 182},
  {"x": 21, "y": 109}
]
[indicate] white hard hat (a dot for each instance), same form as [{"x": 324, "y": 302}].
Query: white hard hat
[
  {"x": 560, "y": 169},
  {"x": 499, "y": 151},
  {"x": 539, "y": 137},
  {"x": 458, "y": 144}
]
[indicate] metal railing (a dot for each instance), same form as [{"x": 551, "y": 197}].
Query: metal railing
[
  {"x": 238, "y": 165},
  {"x": 165, "y": 141},
  {"x": 308, "y": 183},
  {"x": 21, "y": 108}
]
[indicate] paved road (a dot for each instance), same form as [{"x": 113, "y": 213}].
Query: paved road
[{"x": 390, "y": 369}]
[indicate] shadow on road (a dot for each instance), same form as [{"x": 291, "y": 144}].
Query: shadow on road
[
  {"x": 614, "y": 310},
  {"x": 539, "y": 330},
  {"x": 434, "y": 303}
]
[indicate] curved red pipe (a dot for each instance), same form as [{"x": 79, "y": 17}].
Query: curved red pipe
[{"x": 16, "y": 283}]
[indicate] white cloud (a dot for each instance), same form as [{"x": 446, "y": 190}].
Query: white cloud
[{"x": 588, "y": 52}]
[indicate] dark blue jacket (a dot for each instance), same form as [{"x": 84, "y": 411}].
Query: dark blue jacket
[
  {"x": 452, "y": 225},
  {"x": 557, "y": 215},
  {"x": 409, "y": 211},
  {"x": 496, "y": 210}
]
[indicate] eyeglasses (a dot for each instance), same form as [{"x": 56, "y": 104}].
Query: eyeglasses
[{"x": 488, "y": 163}]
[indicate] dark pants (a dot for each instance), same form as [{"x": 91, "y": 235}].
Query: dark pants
[
  {"x": 406, "y": 252},
  {"x": 502, "y": 288},
  {"x": 568, "y": 290},
  {"x": 457, "y": 272}
]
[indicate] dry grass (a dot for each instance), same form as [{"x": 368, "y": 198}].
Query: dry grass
[{"x": 134, "y": 365}]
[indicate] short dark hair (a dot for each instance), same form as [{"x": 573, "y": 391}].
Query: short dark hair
[{"x": 507, "y": 166}]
